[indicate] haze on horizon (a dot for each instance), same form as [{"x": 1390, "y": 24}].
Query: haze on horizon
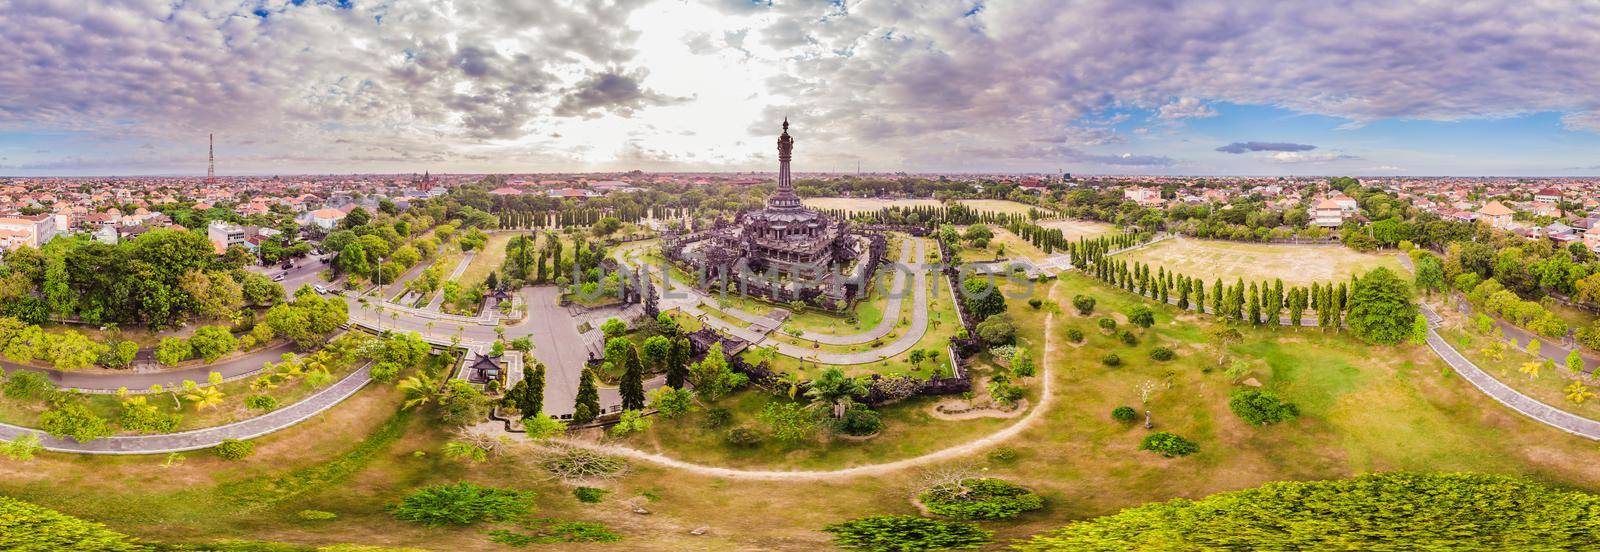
[{"x": 1246, "y": 88}]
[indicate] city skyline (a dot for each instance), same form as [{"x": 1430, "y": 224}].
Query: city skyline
[{"x": 1249, "y": 89}]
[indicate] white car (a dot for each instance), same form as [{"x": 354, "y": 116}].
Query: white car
[
  {"x": 278, "y": 278},
  {"x": 320, "y": 290}
]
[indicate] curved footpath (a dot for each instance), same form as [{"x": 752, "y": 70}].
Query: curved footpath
[
  {"x": 891, "y": 311},
  {"x": 205, "y": 437},
  {"x": 1046, "y": 396},
  {"x": 101, "y": 382}
]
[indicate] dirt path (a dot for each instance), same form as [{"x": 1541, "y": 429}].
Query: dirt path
[{"x": 1027, "y": 422}]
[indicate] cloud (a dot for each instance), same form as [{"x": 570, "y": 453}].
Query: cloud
[
  {"x": 1242, "y": 147},
  {"x": 612, "y": 90},
  {"x": 1588, "y": 121},
  {"x": 1297, "y": 157},
  {"x": 1186, "y": 108}
]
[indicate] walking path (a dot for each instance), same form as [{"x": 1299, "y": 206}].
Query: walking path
[
  {"x": 891, "y": 311},
  {"x": 1528, "y": 406},
  {"x": 919, "y": 326},
  {"x": 461, "y": 267},
  {"x": 100, "y": 382},
  {"x": 1028, "y": 421},
  {"x": 207, "y": 437}
]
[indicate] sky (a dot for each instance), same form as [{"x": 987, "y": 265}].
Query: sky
[{"x": 1244, "y": 87}]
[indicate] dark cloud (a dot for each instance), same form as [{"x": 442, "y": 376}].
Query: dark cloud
[
  {"x": 1243, "y": 147},
  {"x": 613, "y": 90}
]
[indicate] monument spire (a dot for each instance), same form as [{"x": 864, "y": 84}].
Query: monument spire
[{"x": 785, "y": 197}]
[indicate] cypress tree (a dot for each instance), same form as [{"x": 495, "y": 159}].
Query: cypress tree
[
  {"x": 678, "y": 363},
  {"x": 587, "y": 404},
  {"x": 632, "y": 385},
  {"x": 1217, "y": 292},
  {"x": 531, "y": 402}
]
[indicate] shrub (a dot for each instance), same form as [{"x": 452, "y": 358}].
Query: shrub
[
  {"x": 1261, "y": 407},
  {"x": 1111, "y": 359},
  {"x": 905, "y": 533},
  {"x": 74, "y": 420},
  {"x": 996, "y": 330},
  {"x": 385, "y": 372},
  {"x": 1162, "y": 354},
  {"x": 1107, "y": 323},
  {"x": 1124, "y": 414},
  {"x": 315, "y": 515},
  {"x": 975, "y": 499},
  {"x": 234, "y": 449},
  {"x": 26, "y": 526},
  {"x": 589, "y": 495},
  {"x": 27, "y": 384},
  {"x": 859, "y": 420},
  {"x": 1003, "y": 455},
  {"x": 552, "y": 531},
  {"x": 743, "y": 437},
  {"x": 1084, "y": 304},
  {"x": 1168, "y": 444},
  {"x": 1074, "y": 335},
  {"x": 1448, "y": 511},
  {"x": 461, "y": 504},
  {"x": 716, "y": 418},
  {"x": 1128, "y": 338},
  {"x": 1035, "y": 303},
  {"x": 261, "y": 402}
]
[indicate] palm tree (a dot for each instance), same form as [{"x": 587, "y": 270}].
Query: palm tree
[
  {"x": 204, "y": 397},
  {"x": 835, "y": 389},
  {"x": 792, "y": 381},
  {"x": 419, "y": 389},
  {"x": 317, "y": 378}
]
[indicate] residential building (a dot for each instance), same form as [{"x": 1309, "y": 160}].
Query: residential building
[
  {"x": 1327, "y": 214},
  {"x": 29, "y": 230},
  {"x": 224, "y": 235},
  {"x": 1496, "y": 214}
]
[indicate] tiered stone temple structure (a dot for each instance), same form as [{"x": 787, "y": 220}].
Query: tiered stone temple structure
[{"x": 784, "y": 252}]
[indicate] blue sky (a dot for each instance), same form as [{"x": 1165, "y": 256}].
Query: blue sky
[{"x": 1096, "y": 86}]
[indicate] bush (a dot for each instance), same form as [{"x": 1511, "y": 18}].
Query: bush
[
  {"x": 1075, "y": 335},
  {"x": 859, "y": 420},
  {"x": 462, "y": 504},
  {"x": 589, "y": 495},
  {"x": 1261, "y": 407},
  {"x": 743, "y": 437},
  {"x": 1128, "y": 338},
  {"x": 1107, "y": 323},
  {"x": 234, "y": 449},
  {"x": 1003, "y": 455},
  {"x": 1124, "y": 414},
  {"x": 980, "y": 499},
  {"x": 1084, "y": 304},
  {"x": 1391, "y": 510},
  {"x": 26, "y": 526},
  {"x": 1035, "y": 303},
  {"x": 27, "y": 384},
  {"x": 905, "y": 534},
  {"x": 1162, "y": 354},
  {"x": 315, "y": 515},
  {"x": 552, "y": 531},
  {"x": 996, "y": 330},
  {"x": 74, "y": 420},
  {"x": 716, "y": 418},
  {"x": 1168, "y": 444},
  {"x": 385, "y": 372},
  {"x": 1111, "y": 359},
  {"x": 265, "y": 403}
]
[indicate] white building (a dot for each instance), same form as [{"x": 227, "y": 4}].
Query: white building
[
  {"x": 32, "y": 231},
  {"x": 327, "y": 218},
  {"x": 1327, "y": 214},
  {"x": 224, "y": 235}
]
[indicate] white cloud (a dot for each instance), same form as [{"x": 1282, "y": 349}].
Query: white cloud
[{"x": 1186, "y": 108}]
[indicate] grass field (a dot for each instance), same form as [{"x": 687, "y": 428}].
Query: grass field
[
  {"x": 858, "y": 204},
  {"x": 999, "y": 206},
  {"x": 490, "y": 258},
  {"x": 1363, "y": 409},
  {"x": 1074, "y": 228},
  {"x": 1295, "y": 264}
]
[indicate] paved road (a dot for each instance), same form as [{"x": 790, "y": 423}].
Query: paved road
[
  {"x": 208, "y": 437},
  {"x": 891, "y": 311},
  {"x": 460, "y": 268},
  {"x": 1528, "y": 406},
  {"x": 91, "y": 382}
]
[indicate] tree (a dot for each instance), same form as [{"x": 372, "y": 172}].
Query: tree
[
  {"x": 212, "y": 342},
  {"x": 1575, "y": 362},
  {"x": 631, "y": 386},
  {"x": 656, "y": 351},
  {"x": 530, "y": 401},
  {"x": 173, "y": 350},
  {"x": 1419, "y": 329},
  {"x": 711, "y": 376},
  {"x": 613, "y": 328},
  {"x": 631, "y": 421},
  {"x": 671, "y": 402},
  {"x": 1142, "y": 316},
  {"x": 119, "y": 355},
  {"x": 71, "y": 350},
  {"x": 678, "y": 363},
  {"x": 833, "y": 389},
  {"x": 587, "y": 403},
  {"x": 1430, "y": 274},
  {"x": 789, "y": 422},
  {"x": 1380, "y": 308},
  {"x": 982, "y": 298}
]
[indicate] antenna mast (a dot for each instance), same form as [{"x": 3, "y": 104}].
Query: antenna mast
[{"x": 211, "y": 159}]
